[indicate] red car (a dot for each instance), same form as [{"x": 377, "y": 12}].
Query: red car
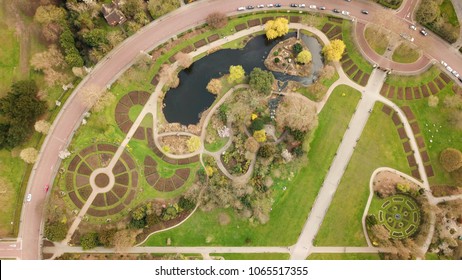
[{"x": 46, "y": 188}]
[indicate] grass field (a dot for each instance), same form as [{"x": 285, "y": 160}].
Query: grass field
[
  {"x": 410, "y": 81},
  {"x": 256, "y": 256},
  {"x": 346, "y": 256},
  {"x": 352, "y": 49},
  {"x": 378, "y": 146},
  {"x": 9, "y": 57},
  {"x": 291, "y": 207},
  {"x": 405, "y": 53},
  {"x": 378, "y": 42},
  {"x": 448, "y": 13}
]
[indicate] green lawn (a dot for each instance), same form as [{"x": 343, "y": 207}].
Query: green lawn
[
  {"x": 410, "y": 81},
  {"x": 256, "y": 256},
  {"x": 448, "y": 13},
  {"x": 378, "y": 146},
  {"x": 135, "y": 111},
  {"x": 433, "y": 123},
  {"x": 405, "y": 53},
  {"x": 378, "y": 43},
  {"x": 291, "y": 207},
  {"x": 346, "y": 256},
  {"x": 352, "y": 50}
]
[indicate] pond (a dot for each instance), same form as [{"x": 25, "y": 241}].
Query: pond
[{"x": 185, "y": 103}]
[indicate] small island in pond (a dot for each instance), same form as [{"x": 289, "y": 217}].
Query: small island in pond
[{"x": 291, "y": 57}]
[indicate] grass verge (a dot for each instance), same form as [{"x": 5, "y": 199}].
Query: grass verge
[{"x": 405, "y": 53}]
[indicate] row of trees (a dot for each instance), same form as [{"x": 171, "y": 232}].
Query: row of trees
[{"x": 429, "y": 14}]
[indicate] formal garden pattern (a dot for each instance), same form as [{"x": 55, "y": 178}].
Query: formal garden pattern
[{"x": 400, "y": 214}]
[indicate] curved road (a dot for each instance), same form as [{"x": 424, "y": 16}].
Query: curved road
[{"x": 111, "y": 67}]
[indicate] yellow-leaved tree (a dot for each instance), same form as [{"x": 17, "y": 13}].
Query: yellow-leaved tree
[
  {"x": 334, "y": 50},
  {"x": 276, "y": 28},
  {"x": 260, "y": 136},
  {"x": 304, "y": 57},
  {"x": 236, "y": 74}
]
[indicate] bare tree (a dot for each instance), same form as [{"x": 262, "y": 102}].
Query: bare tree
[
  {"x": 184, "y": 59},
  {"x": 385, "y": 187},
  {"x": 217, "y": 20},
  {"x": 96, "y": 98},
  {"x": 169, "y": 76},
  {"x": 42, "y": 126},
  {"x": 124, "y": 239},
  {"x": 29, "y": 155},
  {"x": 297, "y": 113}
]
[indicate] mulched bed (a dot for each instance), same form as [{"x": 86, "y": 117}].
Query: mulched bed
[
  {"x": 411, "y": 160},
  {"x": 172, "y": 59},
  {"x": 345, "y": 57},
  {"x": 429, "y": 171},
  {"x": 93, "y": 161},
  {"x": 415, "y": 173},
  {"x": 424, "y": 90},
  {"x": 266, "y": 19},
  {"x": 396, "y": 119},
  {"x": 74, "y": 162},
  {"x": 364, "y": 79},
  {"x": 352, "y": 70},
  {"x": 105, "y": 157},
  {"x": 134, "y": 179},
  {"x": 116, "y": 209},
  {"x": 88, "y": 150},
  {"x": 433, "y": 88},
  {"x": 183, "y": 161},
  {"x": 119, "y": 167},
  {"x": 99, "y": 201},
  {"x": 149, "y": 161},
  {"x": 119, "y": 190},
  {"x": 140, "y": 133},
  {"x": 347, "y": 64},
  {"x": 408, "y": 112},
  {"x": 169, "y": 186},
  {"x": 177, "y": 182},
  {"x": 213, "y": 38},
  {"x": 125, "y": 100},
  {"x": 295, "y": 19},
  {"x": 439, "y": 83},
  {"x": 402, "y": 133},
  {"x": 357, "y": 76},
  {"x": 170, "y": 160},
  {"x": 75, "y": 199},
  {"x": 84, "y": 169},
  {"x": 420, "y": 142},
  {"x": 134, "y": 97},
  {"x": 130, "y": 197},
  {"x": 338, "y": 36},
  {"x": 326, "y": 27},
  {"x": 183, "y": 173},
  {"x": 111, "y": 198},
  {"x": 407, "y": 147},
  {"x": 96, "y": 212},
  {"x": 148, "y": 170},
  {"x": 122, "y": 179},
  {"x": 415, "y": 128},
  {"x": 81, "y": 180},
  {"x": 194, "y": 159},
  {"x": 238, "y": 27},
  {"x": 85, "y": 192},
  {"x": 386, "y": 109},
  {"x": 335, "y": 31},
  {"x": 122, "y": 117},
  {"x": 128, "y": 160},
  {"x": 69, "y": 181},
  {"x": 158, "y": 152},
  {"x": 445, "y": 77},
  {"x": 335, "y": 19},
  {"x": 408, "y": 92},
  {"x": 121, "y": 109},
  {"x": 400, "y": 94},
  {"x": 253, "y": 22},
  {"x": 417, "y": 94},
  {"x": 152, "y": 179},
  {"x": 155, "y": 79},
  {"x": 187, "y": 49},
  {"x": 425, "y": 157},
  {"x": 391, "y": 92},
  {"x": 125, "y": 127},
  {"x": 107, "y": 148}
]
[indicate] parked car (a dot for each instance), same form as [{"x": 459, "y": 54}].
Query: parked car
[
  {"x": 449, "y": 68},
  {"x": 423, "y": 32},
  {"x": 250, "y": 7},
  {"x": 278, "y": 5},
  {"x": 29, "y": 197},
  {"x": 460, "y": 80},
  {"x": 455, "y": 73},
  {"x": 270, "y": 5},
  {"x": 241, "y": 9},
  {"x": 302, "y": 5},
  {"x": 336, "y": 11},
  {"x": 313, "y": 7},
  {"x": 348, "y": 0},
  {"x": 366, "y": 12},
  {"x": 345, "y": 13},
  {"x": 322, "y": 8},
  {"x": 260, "y": 6},
  {"x": 413, "y": 27},
  {"x": 294, "y": 5},
  {"x": 444, "y": 63}
]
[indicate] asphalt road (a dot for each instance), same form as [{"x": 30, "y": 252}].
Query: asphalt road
[{"x": 110, "y": 68}]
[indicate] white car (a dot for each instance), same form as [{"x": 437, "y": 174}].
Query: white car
[
  {"x": 407, "y": 37},
  {"x": 455, "y": 73},
  {"x": 449, "y": 68},
  {"x": 260, "y": 6},
  {"x": 29, "y": 197},
  {"x": 301, "y": 5},
  {"x": 345, "y": 13},
  {"x": 313, "y": 7},
  {"x": 241, "y": 9},
  {"x": 444, "y": 63},
  {"x": 413, "y": 27},
  {"x": 270, "y": 5}
]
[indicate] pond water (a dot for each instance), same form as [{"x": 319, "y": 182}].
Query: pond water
[{"x": 185, "y": 103}]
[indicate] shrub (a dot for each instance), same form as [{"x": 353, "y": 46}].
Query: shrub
[
  {"x": 89, "y": 240},
  {"x": 371, "y": 220},
  {"x": 266, "y": 151},
  {"x": 261, "y": 80},
  {"x": 297, "y": 48},
  {"x": 55, "y": 231},
  {"x": 260, "y": 135},
  {"x": 186, "y": 204},
  {"x": 257, "y": 124},
  {"x": 451, "y": 159},
  {"x": 276, "y": 60}
]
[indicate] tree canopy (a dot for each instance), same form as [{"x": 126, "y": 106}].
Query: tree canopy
[
  {"x": 236, "y": 74},
  {"x": 261, "y": 80},
  {"x": 304, "y": 57},
  {"x": 451, "y": 159},
  {"x": 334, "y": 50},
  {"x": 276, "y": 28}
]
